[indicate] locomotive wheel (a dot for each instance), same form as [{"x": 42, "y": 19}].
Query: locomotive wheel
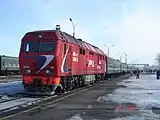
[
  {"x": 76, "y": 85},
  {"x": 59, "y": 90},
  {"x": 71, "y": 84},
  {"x": 67, "y": 84},
  {"x": 97, "y": 79},
  {"x": 81, "y": 82},
  {"x": 64, "y": 84}
]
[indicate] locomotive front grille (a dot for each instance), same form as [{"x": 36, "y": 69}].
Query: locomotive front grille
[{"x": 37, "y": 82}]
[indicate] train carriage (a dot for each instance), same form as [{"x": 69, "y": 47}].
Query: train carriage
[
  {"x": 9, "y": 65},
  {"x": 114, "y": 67}
]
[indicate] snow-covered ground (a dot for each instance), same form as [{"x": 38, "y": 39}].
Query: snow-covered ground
[
  {"x": 21, "y": 102},
  {"x": 11, "y": 87},
  {"x": 76, "y": 117},
  {"x": 143, "y": 94},
  {"x": 10, "y": 78},
  {"x": 7, "y": 102},
  {"x": 17, "y": 102}
]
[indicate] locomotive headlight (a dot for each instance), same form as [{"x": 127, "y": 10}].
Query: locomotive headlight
[
  {"x": 48, "y": 71},
  {"x": 39, "y": 36},
  {"x": 27, "y": 71}
]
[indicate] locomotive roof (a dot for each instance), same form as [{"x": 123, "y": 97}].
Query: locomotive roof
[
  {"x": 68, "y": 38},
  {"x": 85, "y": 45}
]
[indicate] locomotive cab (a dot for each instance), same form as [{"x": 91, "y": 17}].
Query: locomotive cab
[{"x": 37, "y": 60}]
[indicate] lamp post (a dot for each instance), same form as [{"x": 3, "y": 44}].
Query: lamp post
[
  {"x": 125, "y": 57},
  {"x": 120, "y": 61},
  {"x": 126, "y": 60},
  {"x": 109, "y": 48},
  {"x": 73, "y": 26}
]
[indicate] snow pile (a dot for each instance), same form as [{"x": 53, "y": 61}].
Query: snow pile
[
  {"x": 144, "y": 92},
  {"x": 75, "y": 117}
]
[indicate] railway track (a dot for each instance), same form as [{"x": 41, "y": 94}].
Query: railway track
[
  {"x": 9, "y": 101},
  {"x": 21, "y": 102},
  {"x": 27, "y": 102},
  {"x": 9, "y": 97},
  {"x": 13, "y": 96}
]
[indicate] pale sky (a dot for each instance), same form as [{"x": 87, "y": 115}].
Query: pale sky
[{"x": 132, "y": 25}]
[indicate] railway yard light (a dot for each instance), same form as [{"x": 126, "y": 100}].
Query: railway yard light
[
  {"x": 125, "y": 57},
  {"x": 120, "y": 60},
  {"x": 120, "y": 63},
  {"x": 73, "y": 26},
  {"x": 109, "y": 48}
]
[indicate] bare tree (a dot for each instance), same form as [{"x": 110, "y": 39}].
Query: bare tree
[{"x": 158, "y": 59}]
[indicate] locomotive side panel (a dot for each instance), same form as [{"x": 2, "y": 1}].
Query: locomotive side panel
[{"x": 75, "y": 60}]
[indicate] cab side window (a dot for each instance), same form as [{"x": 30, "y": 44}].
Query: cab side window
[{"x": 64, "y": 48}]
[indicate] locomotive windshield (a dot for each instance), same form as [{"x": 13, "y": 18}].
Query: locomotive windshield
[
  {"x": 38, "y": 46},
  {"x": 30, "y": 47},
  {"x": 46, "y": 47}
]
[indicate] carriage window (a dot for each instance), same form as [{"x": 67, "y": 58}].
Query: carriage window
[
  {"x": 91, "y": 53},
  {"x": 83, "y": 52},
  {"x": 65, "y": 48},
  {"x": 80, "y": 51},
  {"x": 70, "y": 48},
  {"x": 46, "y": 47},
  {"x": 100, "y": 57}
]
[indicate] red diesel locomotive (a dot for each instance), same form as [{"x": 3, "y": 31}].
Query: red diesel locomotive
[{"x": 52, "y": 60}]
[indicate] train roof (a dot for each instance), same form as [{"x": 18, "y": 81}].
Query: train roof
[
  {"x": 8, "y": 56},
  {"x": 115, "y": 60},
  {"x": 69, "y": 38}
]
